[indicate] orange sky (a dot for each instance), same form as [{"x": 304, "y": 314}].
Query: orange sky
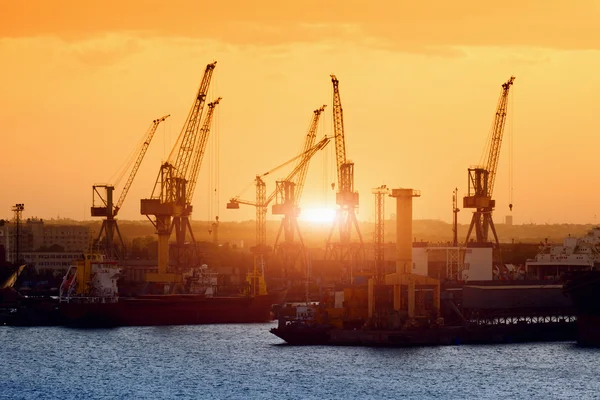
[{"x": 81, "y": 82}]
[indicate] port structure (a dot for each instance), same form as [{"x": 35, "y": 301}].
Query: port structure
[
  {"x": 482, "y": 178},
  {"x": 287, "y": 203},
  {"x": 380, "y": 296},
  {"x": 404, "y": 290},
  {"x": 285, "y": 195},
  {"x": 346, "y": 198},
  {"x": 104, "y": 206},
  {"x": 18, "y": 216},
  {"x": 455, "y": 211},
  {"x": 171, "y": 199}
]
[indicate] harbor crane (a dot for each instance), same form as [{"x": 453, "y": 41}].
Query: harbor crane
[
  {"x": 170, "y": 202},
  {"x": 262, "y": 201},
  {"x": 103, "y": 206},
  {"x": 287, "y": 201},
  {"x": 346, "y": 197},
  {"x": 482, "y": 178}
]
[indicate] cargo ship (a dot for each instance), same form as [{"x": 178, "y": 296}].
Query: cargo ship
[
  {"x": 89, "y": 297},
  {"x": 390, "y": 316},
  {"x": 583, "y": 287}
]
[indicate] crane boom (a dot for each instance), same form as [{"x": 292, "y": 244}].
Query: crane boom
[
  {"x": 338, "y": 129},
  {"x": 497, "y": 131},
  {"x": 305, "y": 159},
  {"x": 262, "y": 201},
  {"x": 186, "y": 143},
  {"x": 310, "y": 140},
  {"x": 200, "y": 149},
  {"x": 305, "y": 156},
  {"x": 138, "y": 162}
]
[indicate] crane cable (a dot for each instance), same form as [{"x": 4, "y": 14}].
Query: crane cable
[
  {"x": 118, "y": 176},
  {"x": 214, "y": 161},
  {"x": 485, "y": 155},
  {"x": 511, "y": 141},
  {"x": 325, "y": 164}
]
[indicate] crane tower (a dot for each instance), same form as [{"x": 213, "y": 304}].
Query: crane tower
[
  {"x": 346, "y": 197},
  {"x": 262, "y": 201},
  {"x": 171, "y": 200},
  {"x": 482, "y": 178},
  {"x": 103, "y": 205},
  {"x": 287, "y": 201}
]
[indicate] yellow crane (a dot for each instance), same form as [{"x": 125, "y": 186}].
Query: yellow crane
[
  {"x": 102, "y": 201},
  {"x": 346, "y": 197},
  {"x": 287, "y": 199},
  {"x": 482, "y": 178},
  {"x": 170, "y": 202},
  {"x": 262, "y": 201}
]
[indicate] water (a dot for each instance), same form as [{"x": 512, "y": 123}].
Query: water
[{"x": 247, "y": 362}]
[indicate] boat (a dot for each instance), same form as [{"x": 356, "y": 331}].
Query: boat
[
  {"x": 575, "y": 254},
  {"x": 583, "y": 287},
  {"x": 511, "y": 314},
  {"x": 89, "y": 297}
]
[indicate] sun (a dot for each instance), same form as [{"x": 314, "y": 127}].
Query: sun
[{"x": 317, "y": 215}]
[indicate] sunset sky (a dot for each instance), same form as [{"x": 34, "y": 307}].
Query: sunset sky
[{"x": 81, "y": 82}]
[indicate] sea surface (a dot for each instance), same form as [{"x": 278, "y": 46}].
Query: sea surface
[{"x": 248, "y": 362}]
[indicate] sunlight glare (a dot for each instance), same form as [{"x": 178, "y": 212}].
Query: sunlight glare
[{"x": 317, "y": 215}]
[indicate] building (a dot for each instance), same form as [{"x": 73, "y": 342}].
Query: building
[
  {"x": 448, "y": 263},
  {"x": 47, "y": 246}
]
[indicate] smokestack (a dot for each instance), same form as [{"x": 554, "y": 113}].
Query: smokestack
[{"x": 404, "y": 228}]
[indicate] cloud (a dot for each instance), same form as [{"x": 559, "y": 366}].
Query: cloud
[
  {"x": 107, "y": 50},
  {"x": 421, "y": 27}
]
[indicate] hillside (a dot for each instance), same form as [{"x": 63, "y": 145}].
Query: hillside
[{"x": 315, "y": 235}]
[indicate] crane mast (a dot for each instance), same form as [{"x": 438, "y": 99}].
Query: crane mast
[
  {"x": 346, "y": 197},
  {"x": 170, "y": 200},
  {"x": 106, "y": 208},
  {"x": 481, "y": 179}
]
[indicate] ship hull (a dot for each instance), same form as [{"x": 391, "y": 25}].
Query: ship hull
[
  {"x": 156, "y": 310},
  {"x": 319, "y": 335},
  {"x": 584, "y": 289}
]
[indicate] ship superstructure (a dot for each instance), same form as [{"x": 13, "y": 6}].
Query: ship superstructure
[
  {"x": 574, "y": 254},
  {"x": 92, "y": 279}
]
